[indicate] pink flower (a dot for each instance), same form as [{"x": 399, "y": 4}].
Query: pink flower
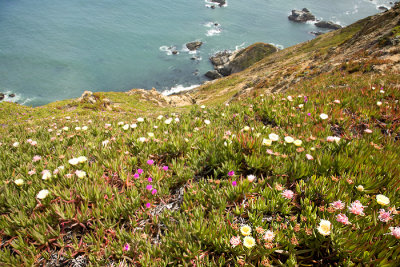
[
  {"x": 36, "y": 158},
  {"x": 150, "y": 179},
  {"x": 288, "y": 194},
  {"x": 356, "y": 208},
  {"x": 342, "y": 218},
  {"x": 231, "y": 173},
  {"x": 384, "y": 216},
  {"x": 368, "y": 131},
  {"x": 269, "y": 151},
  {"x": 338, "y": 205},
  {"x": 56, "y": 171},
  {"x": 165, "y": 168},
  {"x": 139, "y": 171},
  {"x": 234, "y": 183},
  {"x": 395, "y": 231},
  {"x": 136, "y": 176},
  {"x": 154, "y": 191},
  {"x": 149, "y": 187},
  {"x": 126, "y": 247},
  {"x": 33, "y": 143},
  {"x": 150, "y": 162},
  {"x": 32, "y": 172},
  {"x": 148, "y": 205},
  {"x": 235, "y": 241},
  {"x": 308, "y": 114},
  {"x": 309, "y": 157}
]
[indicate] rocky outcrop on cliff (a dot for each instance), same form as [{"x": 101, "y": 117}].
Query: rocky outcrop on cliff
[{"x": 328, "y": 25}]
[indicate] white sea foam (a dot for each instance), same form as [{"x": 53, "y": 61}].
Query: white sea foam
[
  {"x": 179, "y": 88},
  {"x": 279, "y": 46},
  {"x": 214, "y": 31},
  {"x": 16, "y": 99},
  {"x": 241, "y": 46},
  {"x": 167, "y": 49},
  {"x": 210, "y": 3}
]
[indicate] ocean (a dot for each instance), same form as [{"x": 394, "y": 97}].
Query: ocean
[{"x": 53, "y": 50}]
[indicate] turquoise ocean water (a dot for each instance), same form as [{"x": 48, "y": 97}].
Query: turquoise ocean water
[{"x": 52, "y": 50}]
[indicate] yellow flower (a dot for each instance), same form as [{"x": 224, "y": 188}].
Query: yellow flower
[
  {"x": 297, "y": 143},
  {"x": 324, "y": 227},
  {"x": 267, "y": 142},
  {"x": 249, "y": 242},
  {"x": 382, "y": 200},
  {"x": 245, "y": 230},
  {"x": 19, "y": 182}
]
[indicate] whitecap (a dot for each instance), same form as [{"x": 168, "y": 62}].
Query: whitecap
[
  {"x": 214, "y": 31},
  {"x": 167, "y": 49},
  {"x": 179, "y": 88},
  {"x": 16, "y": 99},
  {"x": 241, "y": 46}
]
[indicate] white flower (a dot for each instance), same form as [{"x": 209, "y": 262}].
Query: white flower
[
  {"x": 251, "y": 178},
  {"x": 323, "y": 116},
  {"x": 381, "y": 91},
  {"x": 142, "y": 139},
  {"x": 125, "y": 127},
  {"x": 324, "y": 227},
  {"x": 168, "y": 121},
  {"x": 80, "y": 174},
  {"x": 289, "y": 139},
  {"x": 160, "y": 117},
  {"x": 360, "y": 188},
  {"x": 68, "y": 117},
  {"x": 105, "y": 143},
  {"x": 65, "y": 129},
  {"x": 46, "y": 174},
  {"x": 267, "y": 142},
  {"x": 19, "y": 182},
  {"x": 134, "y": 125},
  {"x": 84, "y": 128},
  {"x": 337, "y": 101},
  {"x": 78, "y": 128},
  {"x": 297, "y": 143},
  {"x": 273, "y": 137},
  {"x": 246, "y": 128},
  {"x": 43, "y": 194},
  {"x": 176, "y": 119},
  {"x": 301, "y": 106},
  {"x": 61, "y": 168},
  {"x": 121, "y": 123},
  {"x": 249, "y": 242},
  {"x": 245, "y": 230},
  {"x": 290, "y": 98},
  {"x": 207, "y": 122},
  {"x": 73, "y": 161},
  {"x": 202, "y": 106},
  {"x": 382, "y": 200},
  {"x": 140, "y": 119},
  {"x": 82, "y": 159},
  {"x": 16, "y": 144},
  {"x": 151, "y": 135},
  {"x": 379, "y": 103}
]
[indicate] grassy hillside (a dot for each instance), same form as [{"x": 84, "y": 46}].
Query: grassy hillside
[{"x": 307, "y": 175}]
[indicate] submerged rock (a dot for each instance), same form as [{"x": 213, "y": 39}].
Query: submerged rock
[
  {"x": 194, "y": 45},
  {"x": 317, "y": 33},
  {"x": 328, "y": 25},
  {"x": 301, "y": 15}
]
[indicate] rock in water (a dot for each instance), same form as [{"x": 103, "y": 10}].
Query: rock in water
[
  {"x": 194, "y": 45},
  {"x": 213, "y": 74},
  {"x": 220, "y": 58},
  {"x": 11, "y": 95},
  {"x": 219, "y": 2},
  {"x": 301, "y": 15},
  {"x": 328, "y": 25},
  {"x": 2, "y": 96},
  {"x": 383, "y": 8}
]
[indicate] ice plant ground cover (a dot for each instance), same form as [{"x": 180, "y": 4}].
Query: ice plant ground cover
[{"x": 106, "y": 194}]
